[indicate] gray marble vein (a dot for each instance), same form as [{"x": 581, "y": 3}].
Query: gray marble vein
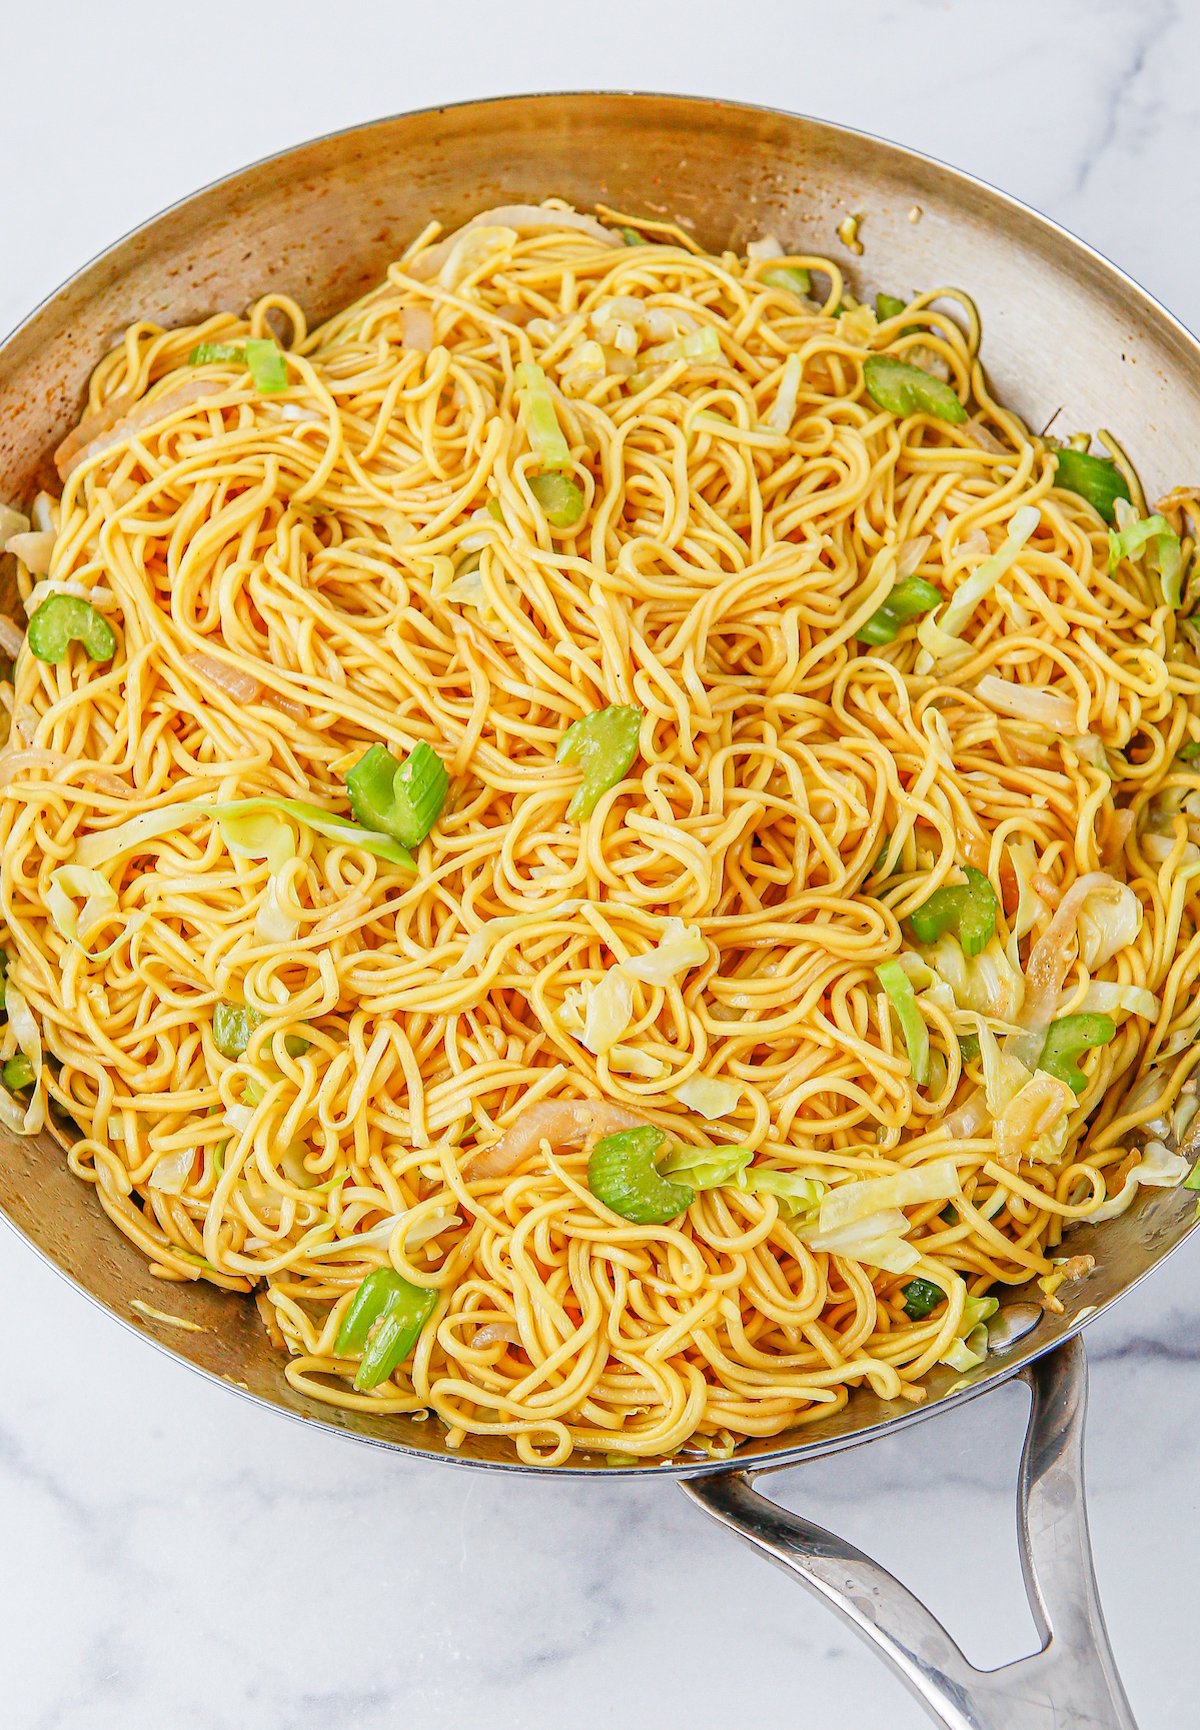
[{"x": 174, "y": 1557}]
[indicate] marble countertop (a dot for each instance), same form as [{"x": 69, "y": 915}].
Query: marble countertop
[{"x": 172, "y": 1555}]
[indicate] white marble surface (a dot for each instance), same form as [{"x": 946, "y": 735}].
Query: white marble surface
[{"x": 172, "y": 1556}]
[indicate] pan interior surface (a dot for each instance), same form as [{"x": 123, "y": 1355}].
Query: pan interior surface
[{"x": 1064, "y": 332}]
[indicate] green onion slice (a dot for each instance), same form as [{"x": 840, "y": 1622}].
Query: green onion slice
[
  {"x": 921, "y": 1297},
  {"x": 233, "y": 1023},
  {"x": 622, "y": 1174},
  {"x": 1096, "y": 479},
  {"x": 890, "y": 306},
  {"x": 382, "y": 1325},
  {"x": 911, "y": 597},
  {"x": 792, "y": 278},
  {"x": 603, "y": 745},
  {"x": 903, "y": 389},
  {"x": 968, "y": 910},
  {"x": 540, "y": 420},
  {"x": 265, "y": 359},
  {"x": 65, "y": 619},
  {"x": 1066, "y": 1041},
  {"x": 560, "y": 498},
  {"x": 405, "y": 799}
]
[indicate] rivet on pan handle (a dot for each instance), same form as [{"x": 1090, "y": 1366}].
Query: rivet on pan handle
[{"x": 1072, "y": 1681}]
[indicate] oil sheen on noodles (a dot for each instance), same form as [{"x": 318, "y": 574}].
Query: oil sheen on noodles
[{"x": 355, "y": 544}]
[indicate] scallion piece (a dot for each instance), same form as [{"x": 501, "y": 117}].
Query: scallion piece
[
  {"x": 1096, "y": 479},
  {"x": 560, "y": 498},
  {"x": 17, "y": 1073},
  {"x": 1167, "y": 554},
  {"x": 65, "y": 619},
  {"x": 903, "y": 389},
  {"x": 903, "y": 999},
  {"x": 889, "y": 306},
  {"x": 382, "y": 1325},
  {"x": 233, "y": 1023},
  {"x": 1189, "y": 752},
  {"x": 405, "y": 799},
  {"x": 1066, "y": 1041},
  {"x": 921, "y": 1298},
  {"x": 911, "y": 597},
  {"x": 792, "y": 278},
  {"x": 603, "y": 745},
  {"x": 631, "y": 237},
  {"x": 265, "y": 359},
  {"x": 622, "y": 1175},
  {"x": 540, "y": 420},
  {"x": 218, "y": 354},
  {"x": 267, "y": 366},
  {"x": 967, "y": 909}
]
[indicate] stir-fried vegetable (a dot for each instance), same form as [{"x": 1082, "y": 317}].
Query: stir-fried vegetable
[
  {"x": 921, "y": 1296},
  {"x": 539, "y": 417},
  {"x": 631, "y": 237},
  {"x": 265, "y": 359},
  {"x": 941, "y": 637},
  {"x": 796, "y": 1195},
  {"x": 903, "y": 999},
  {"x": 1131, "y": 540},
  {"x": 792, "y": 278},
  {"x": 560, "y": 497},
  {"x": 889, "y": 306},
  {"x": 65, "y": 619},
  {"x": 603, "y": 745},
  {"x": 400, "y": 799},
  {"x": 707, "y": 1167},
  {"x": 911, "y": 597},
  {"x": 968, "y": 910},
  {"x": 1066, "y": 1041},
  {"x": 383, "y": 1324},
  {"x": 233, "y": 1023},
  {"x": 903, "y": 389},
  {"x": 1096, "y": 479},
  {"x": 108, "y": 844},
  {"x": 622, "y": 1174},
  {"x": 17, "y": 1073}
]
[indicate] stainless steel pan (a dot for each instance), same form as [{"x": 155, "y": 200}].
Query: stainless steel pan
[{"x": 1064, "y": 330}]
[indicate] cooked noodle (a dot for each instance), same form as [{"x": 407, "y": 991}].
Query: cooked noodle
[{"x": 297, "y": 576}]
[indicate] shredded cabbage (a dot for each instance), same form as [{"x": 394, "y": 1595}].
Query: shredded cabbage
[
  {"x": 706, "y": 1167},
  {"x": 106, "y": 845},
  {"x": 1158, "y": 1168},
  {"x": 608, "y": 1010},
  {"x": 988, "y": 982},
  {"x": 850, "y": 1202},
  {"x": 878, "y": 1241},
  {"x": 783, "y": 409},
  {"x": 1026, "y": 702},
  {"x": 628, "y": 1060},
  {"x": 795, "y": 1194},
  {"x": 680, "y": 948},
  {"x": 1109, "y": 921},
  {"x": 1106, "y": 997},
  {"x": 941, "y": 636},
  {"x": 69, "y": 883},
  {"x": 172, "y": 1172},
  {"x": 708, "y": 1097},
  {"x": 29, "y": 1119}
]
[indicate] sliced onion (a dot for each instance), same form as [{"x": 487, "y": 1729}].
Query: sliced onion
[
  {"x": 34, "y": 550},
  {"x": 1025, "y": 703},
  {"x": 525, "y": 218},
  {"x": 173, "y": 1172},
  {"x": 16, "y": 764},
  {"x": 12, "y": 522},
  {"x": 243, "y": 687},
  {"x": 285, "y": 705},
  {"x": 118, "y": 420},
  {"x": 561, "y": 1122},
  {"x": 492, "y": 1333},
  {"x": 984, "y": 437},
  {"x": 418, "y": 328},
  {"x": 910, "y": 553},
  {"x": 102, "y": 599},
  {"x": 1051, "y": 955},
  {"x": 11, "y": 637}
]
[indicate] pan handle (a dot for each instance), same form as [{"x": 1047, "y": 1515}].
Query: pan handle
[{"x": 1072, "y": 1679}]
